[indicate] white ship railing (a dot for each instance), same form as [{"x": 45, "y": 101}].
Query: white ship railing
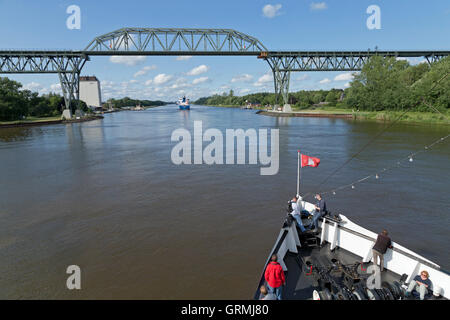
[{"x": 359, "y": 241}]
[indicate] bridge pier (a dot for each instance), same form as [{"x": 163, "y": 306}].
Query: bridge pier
[
  {"x": 281, "y": 82},
  {"x": 70, "y": 86},
  {"x": 281, "y": 79}
]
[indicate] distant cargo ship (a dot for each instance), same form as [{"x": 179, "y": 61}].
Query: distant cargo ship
[{"x": 183, "y": 104}]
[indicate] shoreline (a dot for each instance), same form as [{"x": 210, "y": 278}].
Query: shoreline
[
  {"x": 413, "y": 117},
  {"x": 46, "y": 122},
  {"x": 306, "y": 114},
  {"x": 426, "y": 118}
]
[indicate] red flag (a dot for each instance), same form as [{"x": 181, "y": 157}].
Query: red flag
[{"x": 309, "y": 161}]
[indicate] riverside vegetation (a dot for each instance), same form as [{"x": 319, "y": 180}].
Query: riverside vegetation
[
  {"x": 383, "y": 90},
  {"x": 18, "y": 105},
  {"x": 23, "y": 105}
]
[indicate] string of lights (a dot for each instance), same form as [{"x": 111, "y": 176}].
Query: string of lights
[
  {"x": 397, "y": 164},
  {"x": 377, "y": 175},
  {"x": 422, "y": 99}
]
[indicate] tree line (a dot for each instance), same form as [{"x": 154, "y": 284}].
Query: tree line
[
  {"x": 383, "y": 84},
  {"x": 17, "y": 104},
  {"x": 128, "y": 102}
]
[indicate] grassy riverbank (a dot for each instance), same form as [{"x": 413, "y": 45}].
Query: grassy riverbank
[
  {"x": 386, "y": 115},
  {"x": 32, "y": 120},
  {"x": 411, "y": 116}
]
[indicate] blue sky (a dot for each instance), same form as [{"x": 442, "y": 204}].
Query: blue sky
[{"x": 284, "y": 25}]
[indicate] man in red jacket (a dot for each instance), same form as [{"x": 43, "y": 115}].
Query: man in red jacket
[{"x": 274, "y": 276}]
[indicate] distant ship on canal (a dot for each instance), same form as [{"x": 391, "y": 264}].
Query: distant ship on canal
[{"x": 183, "y": 104}]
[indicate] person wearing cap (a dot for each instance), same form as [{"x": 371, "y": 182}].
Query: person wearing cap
[
  {"x": 321, "y": 209},
  {"x": 274, "y": 276},
  {"x": 420, "y": 283},
  {"x": 295, "y": 213}
]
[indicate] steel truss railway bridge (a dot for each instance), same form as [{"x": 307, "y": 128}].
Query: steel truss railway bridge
[{"x": 200, "y": 42}]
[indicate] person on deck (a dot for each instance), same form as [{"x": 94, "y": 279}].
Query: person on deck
[
  {"x": 265, "y": 295},
  {"x": 295, "y": 213},
  {"x": 380, "y": 247},
  {"x": 274, "y": 276},
  {"x": 420, "y": 283},
  {"x": 321, "y": 209}
]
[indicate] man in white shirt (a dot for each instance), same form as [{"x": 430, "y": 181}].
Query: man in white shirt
[{"x": 296, "y": 213}]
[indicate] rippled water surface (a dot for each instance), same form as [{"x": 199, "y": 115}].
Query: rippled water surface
[{"x": 104, "y": 195}]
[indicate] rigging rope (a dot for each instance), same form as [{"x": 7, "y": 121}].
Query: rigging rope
[
  {"x": 377, "y": 175},
  {"x": 422, "y": 99}
]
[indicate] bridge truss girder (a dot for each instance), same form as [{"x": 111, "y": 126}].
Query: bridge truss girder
[
  {"x": 67, "y": 64},
  {"x": 181, "y": 41},
  {"x": 281, "y": 79},
  {"x": 175, "y": 40}
]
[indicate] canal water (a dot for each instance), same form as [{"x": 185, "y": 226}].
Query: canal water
[{"x": 105, "y": 195}]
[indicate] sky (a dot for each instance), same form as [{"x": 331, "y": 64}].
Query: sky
[{"x": 279, "y": 25}]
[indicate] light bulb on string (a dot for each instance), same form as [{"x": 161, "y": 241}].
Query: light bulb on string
[
  {"x": 353, "y": 187},
  {"x": 377, "y": 176},
  {"x": 410, "y": 159},
  {"x": 334, "y": 192}
]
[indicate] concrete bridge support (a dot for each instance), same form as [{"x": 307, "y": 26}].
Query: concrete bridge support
[{"x": 70, "y": 86}]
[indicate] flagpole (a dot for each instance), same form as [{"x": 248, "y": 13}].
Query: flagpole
[{"x": 298, "y": 173}]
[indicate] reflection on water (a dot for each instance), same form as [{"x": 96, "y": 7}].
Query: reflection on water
[
  {"x": 18, "y": 134},
  {"x": 104, "y": 195}
]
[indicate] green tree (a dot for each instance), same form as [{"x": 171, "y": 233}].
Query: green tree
[
  {"x": 378, "y": 86},
  {"x": 13, "y": 102}
]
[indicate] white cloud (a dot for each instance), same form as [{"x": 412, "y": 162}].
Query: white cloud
[
  {"x": 198, "y": 70},
  {"x": 264, "y": 80},
  {"x": 344, "y": 77},
  {"x": 148, "y": 82},
  {"x": 183, "y": 58},
  {"x": 412, "y": 60},
  {"x": 127, "y": 60},
  {"x": 161, "y": 78},
  {"x": 144, "y": 70},
  {"x": 33, "y": 86},
  {"x": 133, "y": 81},
  {"x": 242, "y": 77},
  {"x": 180, "y": 83},
  {"x": 302, "y": 77},
  {"x": 318, "y": 6},
  {"x": 200, "y": 80},
  {"x": 56, "y": 87},
  {"x": 347, "y": 85},
  {"x": 107, "y": 83},
  {"x": 271, "y": 11},
  {"x": 326, "y": 80}
]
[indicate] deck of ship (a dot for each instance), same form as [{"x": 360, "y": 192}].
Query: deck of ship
[
  {"x": 301, "y": 282},
  {"x": 300, "y": 285}
]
